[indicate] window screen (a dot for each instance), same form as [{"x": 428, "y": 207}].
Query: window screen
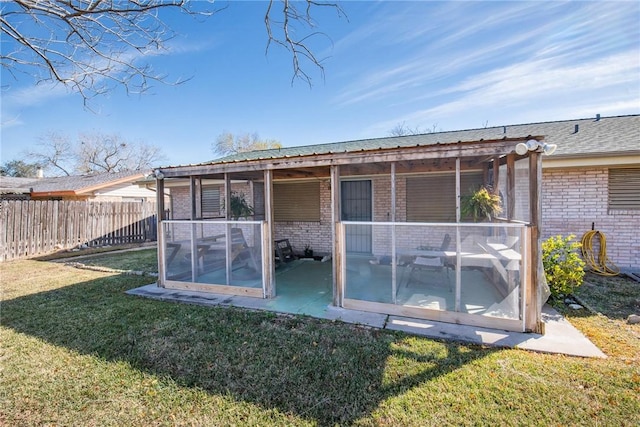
[
  {"x": 210, "y": 201},
  {"x": 624, "y": 189},
  {"x": 298, "y": 201},
  {"x": 432, "y": 198}
]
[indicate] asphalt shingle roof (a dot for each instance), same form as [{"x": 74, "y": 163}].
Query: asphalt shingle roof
[
  {"x": 64, "y": 183},
  {"x": 581, "y": 137}
]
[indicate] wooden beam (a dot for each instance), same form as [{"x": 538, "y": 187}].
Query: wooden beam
[
  {"x": 335, "y": 232},
  {"x": 458, "y": 292},
  {"x": 216, "y": 289},
  {"x": 433, "y": 152},
  {"x": 496, "y": 174},
  {"x": 437, "y": 315},
  {"x": 394, "y": 275},
  {"x": 160, "y": 231},
  {"x": 227, "y": 216},
  {"x": 268, "y": 256},
  {"x": 511, "y": 186},
  {"x": 192, "y": 196},
  {"x": 533, "y": 310}
]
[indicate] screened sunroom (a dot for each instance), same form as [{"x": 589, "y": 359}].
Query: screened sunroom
[{"x": 388, "y": 221}]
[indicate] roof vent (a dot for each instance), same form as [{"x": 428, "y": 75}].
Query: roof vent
[
  {"x": 576, "y": 129},
  {"x": 597, "y": 117},
  {"x": 504, "y": 130}
]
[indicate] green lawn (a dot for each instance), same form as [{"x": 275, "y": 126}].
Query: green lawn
[{"x": 76, "y": 350}]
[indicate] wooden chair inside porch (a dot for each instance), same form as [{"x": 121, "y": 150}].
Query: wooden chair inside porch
[
  {"x": 423, "y": 263},
  {"x": 284, "y": 251},
  {"x": 212, "y": 252}
]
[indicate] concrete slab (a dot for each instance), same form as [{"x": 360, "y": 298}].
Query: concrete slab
[
  {"x": 375, "y": 320},
  {"x": 560, "y": 336}
]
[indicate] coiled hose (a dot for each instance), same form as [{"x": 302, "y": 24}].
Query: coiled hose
[{"x": 602, "y": 265}]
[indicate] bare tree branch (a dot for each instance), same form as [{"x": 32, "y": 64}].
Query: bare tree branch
[
  {"x": 297, "y": 46},
  {"x": 93, "y": 46},
  {"x": 90, "y": 46}
]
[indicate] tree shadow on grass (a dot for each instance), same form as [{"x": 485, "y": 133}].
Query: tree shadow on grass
[
  {"x": 323, "y": 371},
  {"x": 615, "y": 297}
]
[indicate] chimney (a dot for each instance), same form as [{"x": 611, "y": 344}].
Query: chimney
[{"x": 40, "y": 173}]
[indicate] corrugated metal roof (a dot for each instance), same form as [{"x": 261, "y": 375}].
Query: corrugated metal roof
[{"x": 603, "y": 135}]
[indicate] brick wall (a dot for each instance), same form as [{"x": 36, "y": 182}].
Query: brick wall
[
  {"x": 315, "y": 234},
  {"x": 572, "y": 199}
]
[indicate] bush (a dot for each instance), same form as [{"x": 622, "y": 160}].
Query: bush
[{"x": 563, "y": 267}]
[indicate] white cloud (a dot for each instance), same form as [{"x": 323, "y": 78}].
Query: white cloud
[{"x": 538, "y": 88}]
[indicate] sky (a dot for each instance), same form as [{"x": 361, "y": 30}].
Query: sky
[{"x": 434, "y": 66}]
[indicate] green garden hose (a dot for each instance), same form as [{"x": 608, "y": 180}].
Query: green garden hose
[{"x": 603, "y": 265}]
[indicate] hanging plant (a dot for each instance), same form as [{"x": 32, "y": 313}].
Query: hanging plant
[
  {"x": 481, "y": 204},
  {"x": 239, "y": 207}
]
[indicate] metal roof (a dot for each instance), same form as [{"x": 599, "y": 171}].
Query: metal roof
[{"x": 581, "y": 137}]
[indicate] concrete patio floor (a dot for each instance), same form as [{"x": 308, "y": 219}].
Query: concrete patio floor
[{"x": 560, "y": 336}]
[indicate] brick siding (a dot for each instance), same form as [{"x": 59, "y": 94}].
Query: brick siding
[{"x": 573, "y": 199}]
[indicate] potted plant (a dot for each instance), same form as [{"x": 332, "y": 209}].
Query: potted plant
[
  {"x": 308, "y": 252},
  {"x": 239, "y": 207},
  {"x": 481, "y": 204}
]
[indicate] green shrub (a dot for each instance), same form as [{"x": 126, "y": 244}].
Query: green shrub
[{"x": 563, "y": 267}]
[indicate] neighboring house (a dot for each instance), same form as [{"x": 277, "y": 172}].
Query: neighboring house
[{"x": 120, "y": 186}]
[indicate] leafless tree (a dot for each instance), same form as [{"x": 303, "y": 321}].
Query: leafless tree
[
  {"x": 228, "y": 143},
  {"x": 93, "y": 153},
  {"x": 401, "y": 129},
  {"x": 97, "y": 152},
  {"x": 92, "y": 46},
  {"x": 55, "y": 153}
]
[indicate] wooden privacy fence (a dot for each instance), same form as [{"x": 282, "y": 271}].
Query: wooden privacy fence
[{"x": 35, "y": 227}]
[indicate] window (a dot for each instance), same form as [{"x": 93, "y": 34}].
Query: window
[
  {"x": 624, "y": 185},
  {"x": 210, "y": 201},
  {"x": 298, "y": 201},
  {"x": 432, "y": 198}
]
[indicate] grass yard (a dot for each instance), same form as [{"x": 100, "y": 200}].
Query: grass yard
[{"x": 75, "y": 350}]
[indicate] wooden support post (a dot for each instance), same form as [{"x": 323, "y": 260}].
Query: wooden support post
[
  {"x": 458, "y": 243},
  {"x": 162, "y": 264},
  {"x": 533, "y": 314},
  {"x": 192, "y": 196},
  {"x": 228, "y": 237},
  {"x": 496, "y": 175},
  {"x": 335, "y": 234},
  {"x": 511, "y": 186},
  {"x": 268, "y": 259},
  {"x": 394, "y": 261}
]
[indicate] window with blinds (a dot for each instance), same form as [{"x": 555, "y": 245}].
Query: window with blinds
[
  {"x": 299, "y": 201},
  {"x": 432, "y": 198},
  {"x": 210, "y": 201},
  {"x": 624, "y": 189}
]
